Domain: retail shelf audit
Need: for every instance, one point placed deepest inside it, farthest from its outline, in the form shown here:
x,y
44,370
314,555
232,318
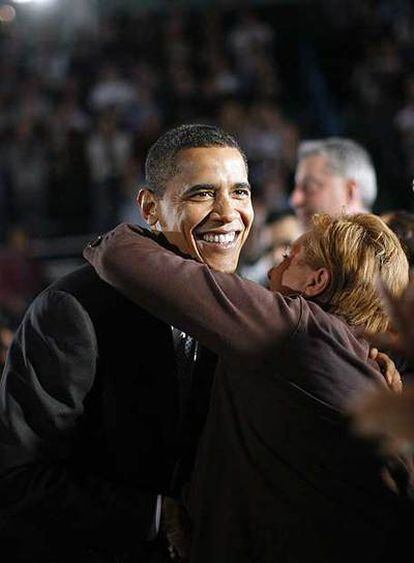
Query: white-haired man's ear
x,y
353,196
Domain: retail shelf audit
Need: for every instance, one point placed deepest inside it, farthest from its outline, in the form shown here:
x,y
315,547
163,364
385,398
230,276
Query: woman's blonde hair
x,y
357,250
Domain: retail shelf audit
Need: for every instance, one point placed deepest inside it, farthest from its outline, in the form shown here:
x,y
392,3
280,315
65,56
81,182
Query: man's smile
x,y
218,238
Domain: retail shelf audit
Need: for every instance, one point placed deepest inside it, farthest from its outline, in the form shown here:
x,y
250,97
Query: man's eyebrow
x,y
200,187
243,185
308,178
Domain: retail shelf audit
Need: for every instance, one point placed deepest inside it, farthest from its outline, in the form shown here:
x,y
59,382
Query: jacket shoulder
x,y
81,280
103,303
89,289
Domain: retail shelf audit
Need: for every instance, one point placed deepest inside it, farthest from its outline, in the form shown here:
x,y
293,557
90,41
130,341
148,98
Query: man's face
x,y
206,209
318,190
293,274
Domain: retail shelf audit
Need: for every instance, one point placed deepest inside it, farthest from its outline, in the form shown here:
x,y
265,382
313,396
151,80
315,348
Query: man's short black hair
x,y
161,158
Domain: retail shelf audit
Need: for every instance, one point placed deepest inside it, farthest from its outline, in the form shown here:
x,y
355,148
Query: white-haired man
x,y
332,175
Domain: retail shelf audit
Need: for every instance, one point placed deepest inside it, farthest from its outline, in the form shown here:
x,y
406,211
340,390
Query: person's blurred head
x,y
402,223
333,175
338,261
281,233
197,193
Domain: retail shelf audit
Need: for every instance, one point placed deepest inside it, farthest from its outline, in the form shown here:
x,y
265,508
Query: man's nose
x,y
296,197
224,209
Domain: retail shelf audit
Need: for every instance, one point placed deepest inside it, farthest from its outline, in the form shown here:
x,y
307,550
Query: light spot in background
x,y
34,1
7,14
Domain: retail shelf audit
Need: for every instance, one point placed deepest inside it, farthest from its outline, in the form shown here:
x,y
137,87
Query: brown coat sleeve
x,y
233,317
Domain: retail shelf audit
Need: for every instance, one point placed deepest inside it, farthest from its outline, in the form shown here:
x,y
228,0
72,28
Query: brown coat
x,y
279,477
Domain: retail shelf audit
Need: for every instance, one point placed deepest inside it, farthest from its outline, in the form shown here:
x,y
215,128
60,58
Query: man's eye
x,y
203,195
310,187
242,192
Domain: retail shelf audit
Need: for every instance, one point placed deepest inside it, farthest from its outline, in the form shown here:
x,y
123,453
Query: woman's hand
x,y
388,369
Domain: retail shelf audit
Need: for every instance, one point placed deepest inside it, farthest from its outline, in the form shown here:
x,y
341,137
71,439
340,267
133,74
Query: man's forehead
x,y
315,164
195,168
200,155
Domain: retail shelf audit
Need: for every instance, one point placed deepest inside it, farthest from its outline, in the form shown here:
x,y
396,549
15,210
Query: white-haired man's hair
x,y
347,159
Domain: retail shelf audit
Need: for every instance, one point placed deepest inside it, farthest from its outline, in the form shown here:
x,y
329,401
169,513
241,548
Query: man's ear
x,y
147,202
318,282
352,193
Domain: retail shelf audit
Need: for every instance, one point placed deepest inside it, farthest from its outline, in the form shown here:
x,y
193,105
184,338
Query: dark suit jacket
x,y
89,423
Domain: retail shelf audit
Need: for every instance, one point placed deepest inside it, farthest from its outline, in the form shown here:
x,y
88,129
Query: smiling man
x,y
199,197
100,413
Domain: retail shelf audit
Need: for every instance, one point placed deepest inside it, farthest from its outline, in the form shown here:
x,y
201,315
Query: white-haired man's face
x,y
319,190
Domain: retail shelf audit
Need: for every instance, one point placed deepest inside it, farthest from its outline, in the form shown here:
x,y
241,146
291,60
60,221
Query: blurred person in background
x,y
28,166
333,175
269,136
127,211
101,404
250,43
143,116
382,416
402,223
282,231
404,125
21,276
70,198
279,477
273,241
108,149
111,90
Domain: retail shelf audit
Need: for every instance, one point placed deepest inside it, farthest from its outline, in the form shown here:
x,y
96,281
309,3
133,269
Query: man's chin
x,y
305,219
218,258
223,264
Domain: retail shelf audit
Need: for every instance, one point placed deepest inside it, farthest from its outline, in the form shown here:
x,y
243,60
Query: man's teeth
x,y
220,239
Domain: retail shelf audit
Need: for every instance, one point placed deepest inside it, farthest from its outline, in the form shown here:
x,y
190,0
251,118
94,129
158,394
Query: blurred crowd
x,y
78,116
